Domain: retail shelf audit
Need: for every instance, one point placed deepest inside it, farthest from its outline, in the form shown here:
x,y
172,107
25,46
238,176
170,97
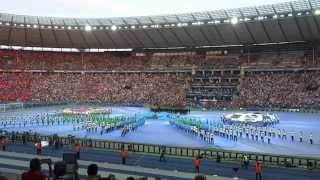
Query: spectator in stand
x,y
200,177
111,177
60,172
35,171
92,172
4,178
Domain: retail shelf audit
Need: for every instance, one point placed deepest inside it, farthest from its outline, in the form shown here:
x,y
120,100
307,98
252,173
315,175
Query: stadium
x,y
232,93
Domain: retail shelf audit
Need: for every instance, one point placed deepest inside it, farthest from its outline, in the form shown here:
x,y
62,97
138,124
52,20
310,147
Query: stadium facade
x,y
296,21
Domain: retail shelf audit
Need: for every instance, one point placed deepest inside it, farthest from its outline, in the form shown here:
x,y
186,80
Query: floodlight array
x,y
230,16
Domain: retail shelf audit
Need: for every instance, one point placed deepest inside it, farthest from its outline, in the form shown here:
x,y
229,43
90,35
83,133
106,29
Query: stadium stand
x,y
17,162
14,87
295,90
219,81
140,88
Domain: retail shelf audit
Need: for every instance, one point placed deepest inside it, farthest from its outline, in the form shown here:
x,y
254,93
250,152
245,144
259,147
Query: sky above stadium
x,y
119,8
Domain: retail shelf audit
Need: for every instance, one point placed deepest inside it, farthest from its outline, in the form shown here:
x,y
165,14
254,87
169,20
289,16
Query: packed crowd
x,y
45,60
192,61
289,59
146,89
283,90
294,90
157,90
32,60
14,86
286,90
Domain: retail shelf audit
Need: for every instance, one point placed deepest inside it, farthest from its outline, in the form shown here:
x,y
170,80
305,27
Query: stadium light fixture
x,y
87,28
260,18
217,21
133,27
114,27
317,12
234,20
157,26
194,23
69,27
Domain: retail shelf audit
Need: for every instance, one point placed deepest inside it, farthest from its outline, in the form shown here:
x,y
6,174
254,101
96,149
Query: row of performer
x,y
234,132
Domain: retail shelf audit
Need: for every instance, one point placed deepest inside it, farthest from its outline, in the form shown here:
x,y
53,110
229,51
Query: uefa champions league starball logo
x,y
249,118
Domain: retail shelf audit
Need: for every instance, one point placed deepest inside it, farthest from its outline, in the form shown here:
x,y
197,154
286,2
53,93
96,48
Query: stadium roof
x,y
283,22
